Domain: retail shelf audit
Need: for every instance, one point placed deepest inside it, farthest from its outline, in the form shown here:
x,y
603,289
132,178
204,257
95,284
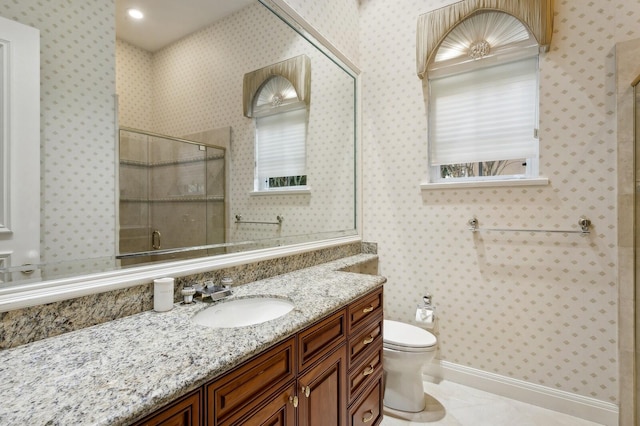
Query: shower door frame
x,y
176,250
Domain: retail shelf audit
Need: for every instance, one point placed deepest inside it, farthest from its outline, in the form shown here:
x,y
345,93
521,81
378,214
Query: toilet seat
x,y
407,338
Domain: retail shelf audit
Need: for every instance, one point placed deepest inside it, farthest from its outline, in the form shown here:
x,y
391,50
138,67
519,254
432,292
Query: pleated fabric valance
x,y
434,26
296,70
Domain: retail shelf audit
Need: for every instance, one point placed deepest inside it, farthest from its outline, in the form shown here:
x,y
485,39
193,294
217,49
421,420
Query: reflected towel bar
x,y
585,225
278,218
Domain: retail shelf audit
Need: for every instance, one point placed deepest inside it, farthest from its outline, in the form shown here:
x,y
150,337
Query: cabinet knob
x,y
368,417
306,390
294,400
367,310
368,340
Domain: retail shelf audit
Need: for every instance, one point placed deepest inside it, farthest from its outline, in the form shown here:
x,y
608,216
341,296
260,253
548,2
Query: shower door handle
x,y
156,239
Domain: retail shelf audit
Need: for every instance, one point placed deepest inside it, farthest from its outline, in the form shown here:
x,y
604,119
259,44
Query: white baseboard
x,y
565,402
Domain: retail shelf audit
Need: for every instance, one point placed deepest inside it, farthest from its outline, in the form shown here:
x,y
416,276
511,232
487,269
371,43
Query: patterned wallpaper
x,y
134,86
535,307
77,124
337,20
539,307
197,85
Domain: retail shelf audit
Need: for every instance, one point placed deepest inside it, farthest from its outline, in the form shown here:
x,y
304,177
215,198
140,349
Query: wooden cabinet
x,y
184,412
361,375
322,391
364,346
367,409
316,341
248,386
322,376
364,309
278,410
328,374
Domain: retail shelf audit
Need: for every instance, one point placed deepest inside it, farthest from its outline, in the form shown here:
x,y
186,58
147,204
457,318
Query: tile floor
x,y
452,404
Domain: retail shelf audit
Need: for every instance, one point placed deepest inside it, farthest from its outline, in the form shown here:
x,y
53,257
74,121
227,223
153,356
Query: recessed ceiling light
x,y
135,13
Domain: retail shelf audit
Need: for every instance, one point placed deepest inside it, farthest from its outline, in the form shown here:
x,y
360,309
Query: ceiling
x,y
166,21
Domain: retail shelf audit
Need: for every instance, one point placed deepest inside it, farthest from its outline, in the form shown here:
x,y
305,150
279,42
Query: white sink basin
x,y
243,312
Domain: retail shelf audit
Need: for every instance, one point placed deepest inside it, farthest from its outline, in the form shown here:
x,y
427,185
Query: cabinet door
x,y
322,392
185,412
278,411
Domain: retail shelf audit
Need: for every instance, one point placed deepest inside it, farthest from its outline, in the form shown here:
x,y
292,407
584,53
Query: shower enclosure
x,y
171,198
636,221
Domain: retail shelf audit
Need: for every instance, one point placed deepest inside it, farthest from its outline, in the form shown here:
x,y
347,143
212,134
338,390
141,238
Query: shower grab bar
x,y
278,218
585,228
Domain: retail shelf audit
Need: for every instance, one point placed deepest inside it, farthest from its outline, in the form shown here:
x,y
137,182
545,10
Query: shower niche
x,y
172,195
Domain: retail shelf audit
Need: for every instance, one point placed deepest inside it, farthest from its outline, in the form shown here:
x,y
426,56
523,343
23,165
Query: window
x,y
277,97
482,122
483,101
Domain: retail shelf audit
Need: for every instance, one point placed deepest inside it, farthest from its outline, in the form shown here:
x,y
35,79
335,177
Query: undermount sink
x,y
243,312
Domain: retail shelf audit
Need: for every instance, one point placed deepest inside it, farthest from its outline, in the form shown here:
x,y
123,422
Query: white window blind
x,y
487,114
280,145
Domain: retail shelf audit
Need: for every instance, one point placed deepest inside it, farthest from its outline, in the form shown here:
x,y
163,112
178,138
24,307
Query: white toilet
x,y
407,349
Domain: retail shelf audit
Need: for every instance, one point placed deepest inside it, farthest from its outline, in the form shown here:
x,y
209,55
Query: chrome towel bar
x,y
278,218
585,228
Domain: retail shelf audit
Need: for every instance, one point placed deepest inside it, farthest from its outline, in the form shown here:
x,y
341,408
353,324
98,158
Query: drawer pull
x,y
369,370
367,310
294,400
368,340
306,390
368,417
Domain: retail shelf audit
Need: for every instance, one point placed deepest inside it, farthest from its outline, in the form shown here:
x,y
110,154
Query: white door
x,y
19,146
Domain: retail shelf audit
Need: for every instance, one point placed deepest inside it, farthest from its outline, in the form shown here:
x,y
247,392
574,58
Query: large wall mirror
x,y
173,156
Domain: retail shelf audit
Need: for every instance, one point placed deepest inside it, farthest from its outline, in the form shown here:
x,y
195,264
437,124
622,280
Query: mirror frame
x,y
49,291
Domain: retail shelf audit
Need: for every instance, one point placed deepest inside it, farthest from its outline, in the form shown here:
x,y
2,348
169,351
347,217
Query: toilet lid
x,y
401,336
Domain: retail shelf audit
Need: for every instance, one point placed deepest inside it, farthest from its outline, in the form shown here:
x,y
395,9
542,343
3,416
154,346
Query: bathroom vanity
x,y
321,360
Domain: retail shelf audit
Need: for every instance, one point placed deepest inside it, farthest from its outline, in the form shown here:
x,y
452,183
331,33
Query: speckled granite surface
x,y
117,372
39,322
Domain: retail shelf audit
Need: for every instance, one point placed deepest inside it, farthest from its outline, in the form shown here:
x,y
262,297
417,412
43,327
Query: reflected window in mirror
x,y
277,97
281,133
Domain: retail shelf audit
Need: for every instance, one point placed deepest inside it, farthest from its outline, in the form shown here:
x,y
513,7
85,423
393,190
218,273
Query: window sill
x,y
282,191
539,181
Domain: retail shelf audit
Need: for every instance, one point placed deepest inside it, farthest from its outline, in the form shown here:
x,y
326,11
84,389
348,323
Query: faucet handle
x,y
187,294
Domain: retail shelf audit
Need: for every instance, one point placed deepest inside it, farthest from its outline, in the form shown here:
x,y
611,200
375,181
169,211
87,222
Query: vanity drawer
x,y
184,412
366,411
364,309
369,337
320,339
363,374
250,381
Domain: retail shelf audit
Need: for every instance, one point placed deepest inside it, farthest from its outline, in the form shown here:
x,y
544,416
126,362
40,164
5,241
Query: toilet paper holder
x,y
426,301
426,312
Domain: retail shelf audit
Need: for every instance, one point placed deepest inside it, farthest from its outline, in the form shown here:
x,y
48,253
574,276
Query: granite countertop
x,y
117,372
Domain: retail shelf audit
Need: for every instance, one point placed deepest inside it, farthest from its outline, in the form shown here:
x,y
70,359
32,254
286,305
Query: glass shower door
x,y
171,198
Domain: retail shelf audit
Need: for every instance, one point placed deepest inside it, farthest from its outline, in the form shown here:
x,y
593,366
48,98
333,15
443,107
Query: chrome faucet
x,y
213,292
